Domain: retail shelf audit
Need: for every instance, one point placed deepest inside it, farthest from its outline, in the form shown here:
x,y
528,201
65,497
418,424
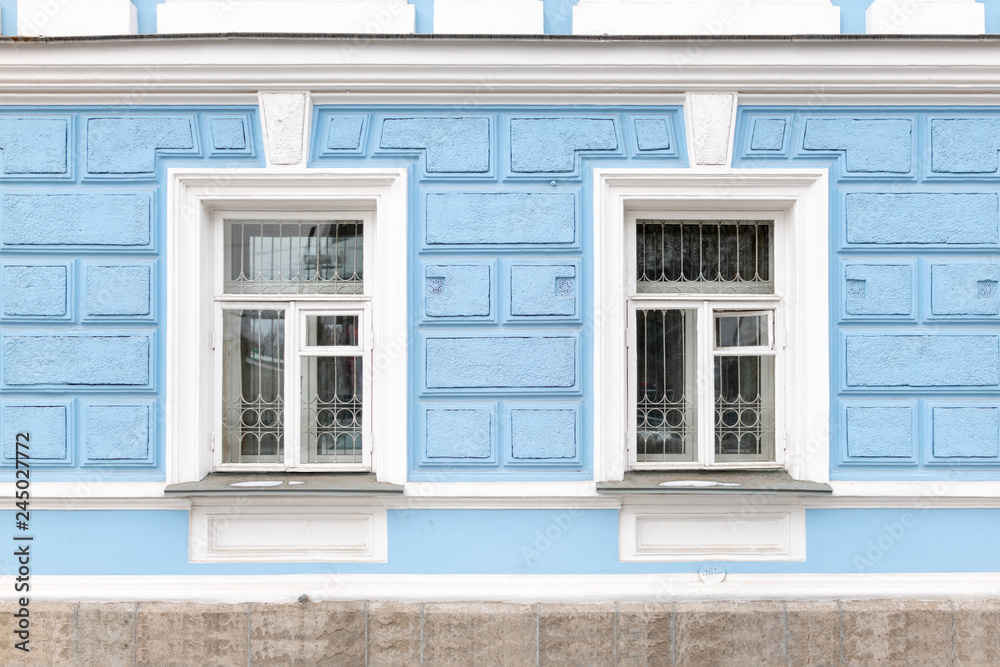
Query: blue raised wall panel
x,y
453,145
501,218
502,362
129,145
119,433
458,435
29,291
93,360
878,289
34,146
544,432
45,423
922,218
922,361
229,134
76,219
459,290
965,288
117,290
881,433
870,145
345,133
965,145
653,134
966,432
86,195
549,290
551,145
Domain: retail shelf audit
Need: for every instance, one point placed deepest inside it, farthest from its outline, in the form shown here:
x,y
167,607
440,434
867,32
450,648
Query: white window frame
x,y
706,306
801,197
297,307
197,199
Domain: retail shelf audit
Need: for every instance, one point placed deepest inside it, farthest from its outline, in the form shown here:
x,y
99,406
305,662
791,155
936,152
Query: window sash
x,y
297,307
705,406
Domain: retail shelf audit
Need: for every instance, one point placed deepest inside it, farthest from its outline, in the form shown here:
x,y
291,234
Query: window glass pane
x,y
744,408
331,330
331,410
294,257
704,256
667,390
741,331
253,376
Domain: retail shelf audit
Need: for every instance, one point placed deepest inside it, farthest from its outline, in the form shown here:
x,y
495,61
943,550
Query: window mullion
x,y
706,386
293,388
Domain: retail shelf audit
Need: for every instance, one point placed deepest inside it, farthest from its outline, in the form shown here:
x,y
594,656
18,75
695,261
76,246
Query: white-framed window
x,y
293,340
286,332
705,338
703,362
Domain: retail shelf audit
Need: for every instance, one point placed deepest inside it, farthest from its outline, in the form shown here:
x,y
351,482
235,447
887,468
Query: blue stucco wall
x,y
915,235
501,304
501,261
82,276
525,541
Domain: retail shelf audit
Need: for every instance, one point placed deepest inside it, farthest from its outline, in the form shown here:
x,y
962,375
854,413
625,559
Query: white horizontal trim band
x,y
509,588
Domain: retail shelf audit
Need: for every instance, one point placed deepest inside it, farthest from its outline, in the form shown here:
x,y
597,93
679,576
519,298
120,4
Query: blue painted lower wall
x,y
543,541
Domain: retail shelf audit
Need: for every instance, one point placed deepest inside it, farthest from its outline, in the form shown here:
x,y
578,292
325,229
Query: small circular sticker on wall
x,y
712,574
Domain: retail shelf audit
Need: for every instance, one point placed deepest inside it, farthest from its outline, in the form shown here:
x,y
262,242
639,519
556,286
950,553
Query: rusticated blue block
x,y
535,361
652,134
550,144
118,290
344,133
923,361
458,290
453,145
922,217
116,432
768,134
459,434
964,289
966,432
964,145
870,145
228,134
543,290
878,289
500,217
34,145
45,426
543,434
76,360
75,219
34,290
880,432
129,145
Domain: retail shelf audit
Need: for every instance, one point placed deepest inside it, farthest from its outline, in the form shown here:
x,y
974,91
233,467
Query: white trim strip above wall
x,y
509,588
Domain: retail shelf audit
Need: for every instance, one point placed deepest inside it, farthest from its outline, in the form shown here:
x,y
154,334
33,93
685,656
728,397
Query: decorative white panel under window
x,y
705,336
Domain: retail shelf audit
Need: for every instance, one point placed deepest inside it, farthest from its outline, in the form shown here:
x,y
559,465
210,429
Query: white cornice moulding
x,y
722,17
488,17
683,587
925,17
369,17
215,70
70,18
